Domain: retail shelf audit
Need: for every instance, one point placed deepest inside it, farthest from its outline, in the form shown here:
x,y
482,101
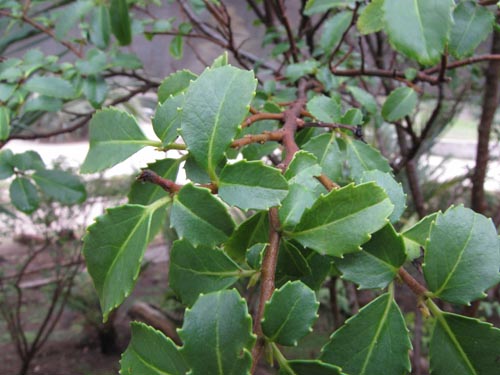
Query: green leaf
x,y
255,254
371,18
419,233
301,69
23,195
378,263
252,185
217,335
364,98
333,30
114,136
126,60
339,222
95,89
324,108
167,119
113,249
320,6
463,346
419,28
200,217
362,157
292,265
197,270
4,123
473,24
304,189
461,257
6,91
120,21
310,367
146,193
353,116
400,103
176,47
381,341
70,16
6,168
222,60
100,27
215,106
61,186
94,63
393,189
326,149
27,161
290,313
51,86
176,83
252,231
43,103
150,352
321,264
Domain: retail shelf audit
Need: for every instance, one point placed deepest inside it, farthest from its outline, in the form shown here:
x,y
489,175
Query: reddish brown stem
x,y
260,117
412,283
276,135
267,281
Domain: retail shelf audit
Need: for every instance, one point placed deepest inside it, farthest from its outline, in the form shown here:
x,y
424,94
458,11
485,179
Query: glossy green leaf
x,y
167,119
330,157
114,136
324,108
200,217
362,157
290,313
252,231
27,161
463,346
375,338
217,335
309,367
400,103
252,185
304,189
176,47
4,123
113,249
150,352
333,30
419,233
392,188
379,261
371,18
419,28
95,89
197,270
100,27
473,24
146,193
215,106
23,195
461,256
6,91
319,6
320,266
51,86
120,21
61,186
176,83
339,222
6,168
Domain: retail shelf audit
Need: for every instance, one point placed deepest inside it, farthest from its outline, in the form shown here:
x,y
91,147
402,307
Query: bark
x,y
490,100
